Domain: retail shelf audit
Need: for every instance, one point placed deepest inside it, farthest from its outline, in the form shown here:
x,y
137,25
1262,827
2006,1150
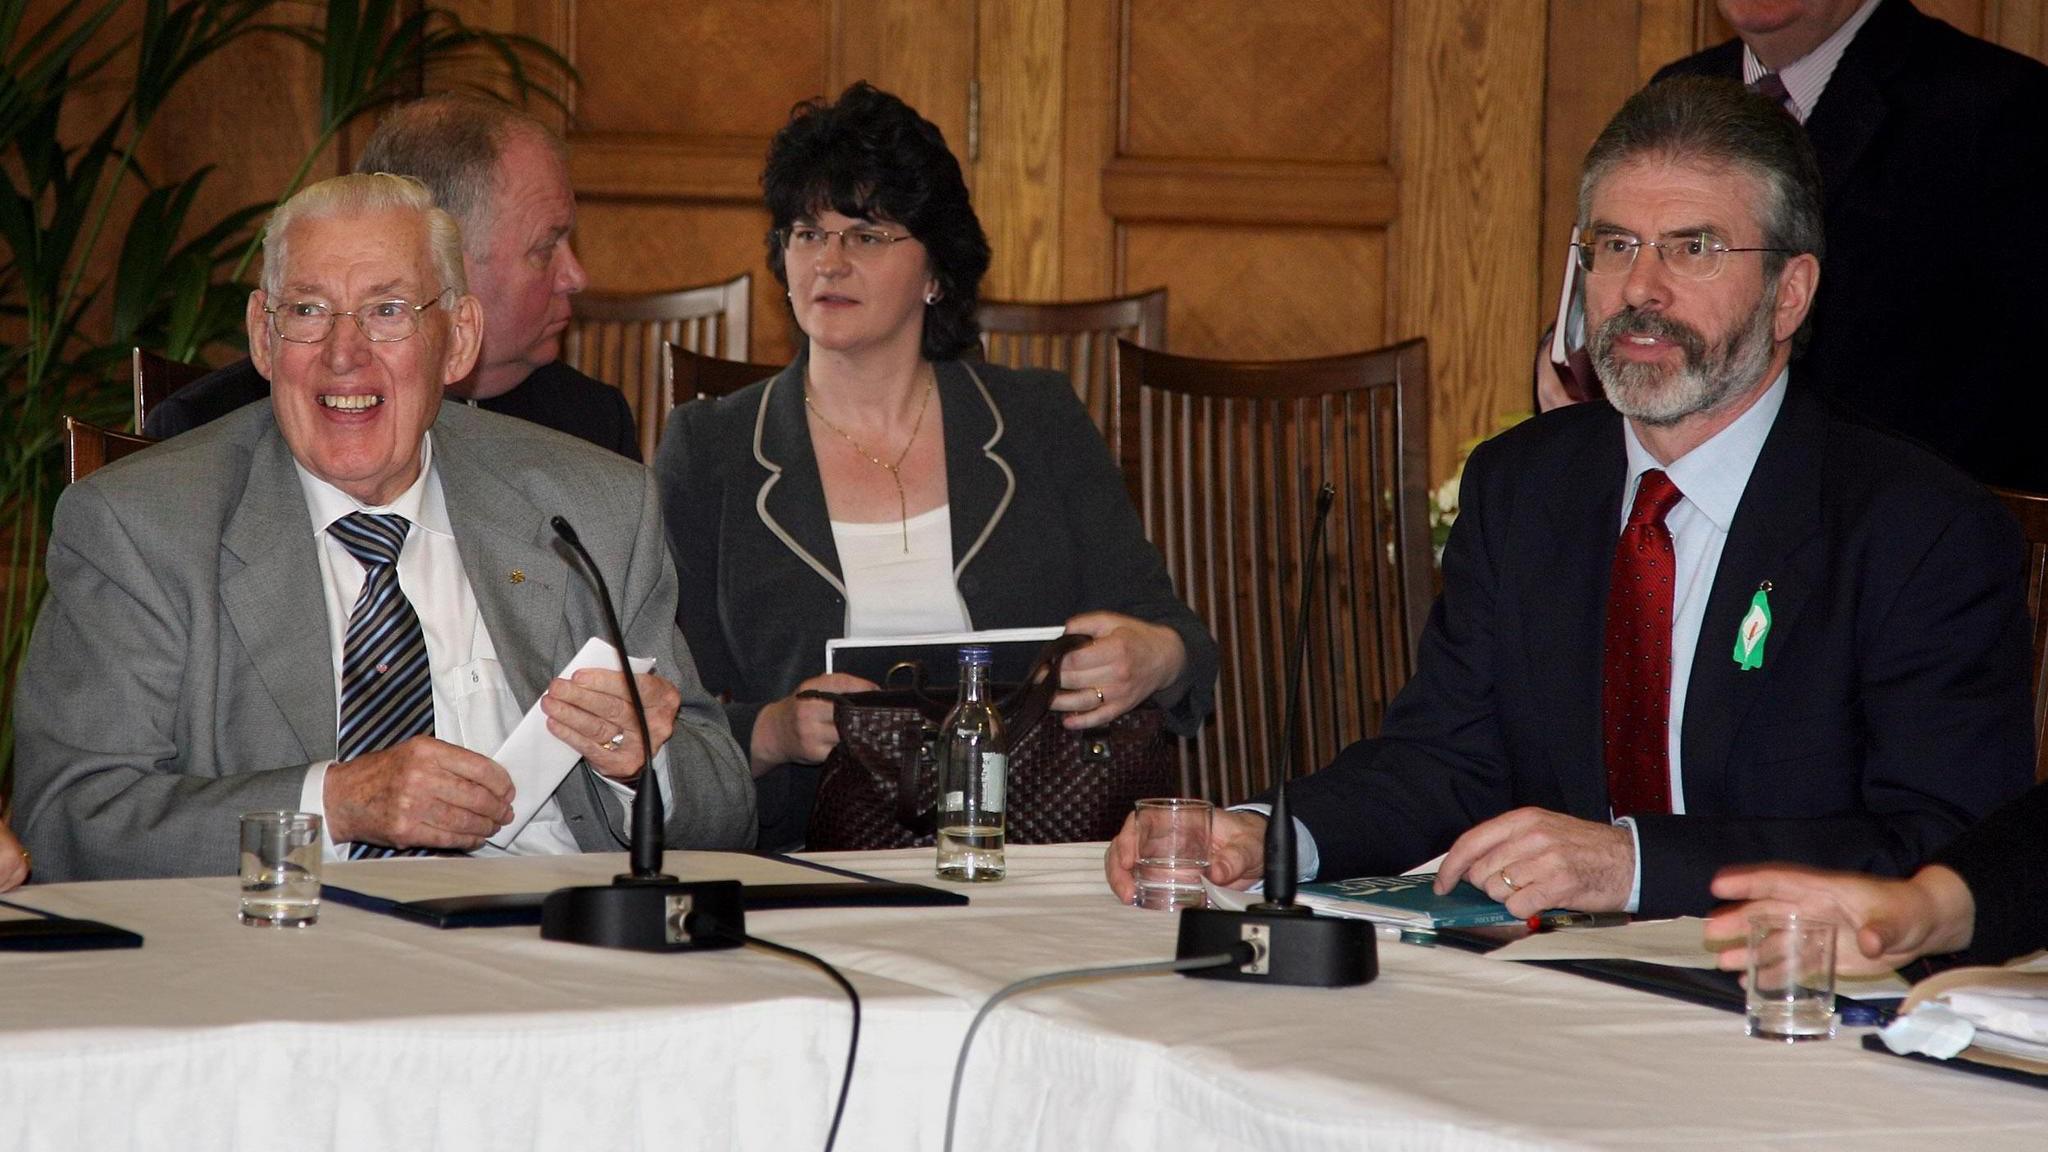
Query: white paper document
x,y
533,756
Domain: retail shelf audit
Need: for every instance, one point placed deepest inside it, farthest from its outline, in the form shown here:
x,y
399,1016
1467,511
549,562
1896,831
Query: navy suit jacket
x,y
1933,150
2005,862
1891,712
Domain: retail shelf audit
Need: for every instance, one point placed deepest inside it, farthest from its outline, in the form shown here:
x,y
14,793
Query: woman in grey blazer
x,y
881,485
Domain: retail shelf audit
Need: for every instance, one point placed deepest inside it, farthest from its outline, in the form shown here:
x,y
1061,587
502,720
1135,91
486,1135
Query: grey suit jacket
x,y
180,671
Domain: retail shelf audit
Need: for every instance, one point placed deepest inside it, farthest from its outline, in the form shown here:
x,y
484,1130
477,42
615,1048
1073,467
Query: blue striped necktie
x,y
387,689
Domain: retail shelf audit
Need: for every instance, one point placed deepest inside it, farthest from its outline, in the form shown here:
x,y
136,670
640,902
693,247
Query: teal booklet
x,y
1408,901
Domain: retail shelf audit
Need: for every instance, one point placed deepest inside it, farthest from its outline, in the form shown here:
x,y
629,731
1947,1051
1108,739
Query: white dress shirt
x,y
1807,77
473,703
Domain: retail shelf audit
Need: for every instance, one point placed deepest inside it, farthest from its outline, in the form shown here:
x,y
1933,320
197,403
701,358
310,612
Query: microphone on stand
x,y
642,909
648,817
1291,944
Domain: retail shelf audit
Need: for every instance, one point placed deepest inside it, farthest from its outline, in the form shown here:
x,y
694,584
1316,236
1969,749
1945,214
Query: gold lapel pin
x,y
518,576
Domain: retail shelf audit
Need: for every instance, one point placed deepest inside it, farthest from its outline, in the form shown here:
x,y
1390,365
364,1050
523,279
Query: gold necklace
x,y
895,470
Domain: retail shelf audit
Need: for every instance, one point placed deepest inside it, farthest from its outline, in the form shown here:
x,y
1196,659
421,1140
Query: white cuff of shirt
x,y
1635,840
313,798
1307,861
624,790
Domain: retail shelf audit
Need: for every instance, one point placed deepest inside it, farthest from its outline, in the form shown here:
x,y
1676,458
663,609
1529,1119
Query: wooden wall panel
x,y
1264,293
1016,171
1468,106
1226,80
1363,169
698,69
647,247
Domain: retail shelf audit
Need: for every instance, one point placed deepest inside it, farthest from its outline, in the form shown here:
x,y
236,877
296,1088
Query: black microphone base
x,y
629,880
1306,951
647,917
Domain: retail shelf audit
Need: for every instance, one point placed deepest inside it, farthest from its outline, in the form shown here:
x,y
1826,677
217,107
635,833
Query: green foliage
x,y
176,285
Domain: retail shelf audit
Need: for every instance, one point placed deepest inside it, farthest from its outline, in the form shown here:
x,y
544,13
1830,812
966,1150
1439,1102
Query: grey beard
x,y
1660,398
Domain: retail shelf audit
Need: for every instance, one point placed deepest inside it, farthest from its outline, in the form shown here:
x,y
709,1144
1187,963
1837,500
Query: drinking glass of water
x,y
1791,994
1173,853
280,869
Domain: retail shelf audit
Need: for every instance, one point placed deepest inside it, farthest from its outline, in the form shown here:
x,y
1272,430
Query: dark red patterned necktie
x,y
1636,672
1770,84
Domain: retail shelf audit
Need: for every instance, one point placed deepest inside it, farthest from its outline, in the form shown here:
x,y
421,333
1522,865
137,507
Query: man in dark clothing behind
x,y
504,176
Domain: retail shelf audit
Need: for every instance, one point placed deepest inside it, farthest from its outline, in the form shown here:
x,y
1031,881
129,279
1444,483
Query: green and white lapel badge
x,y
1755,627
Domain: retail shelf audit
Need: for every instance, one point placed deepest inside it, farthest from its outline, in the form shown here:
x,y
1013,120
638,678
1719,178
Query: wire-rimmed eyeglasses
x,y
859,243
381,321
1691,255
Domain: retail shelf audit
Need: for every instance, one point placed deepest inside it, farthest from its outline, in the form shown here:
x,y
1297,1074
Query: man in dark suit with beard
x,y
1707,622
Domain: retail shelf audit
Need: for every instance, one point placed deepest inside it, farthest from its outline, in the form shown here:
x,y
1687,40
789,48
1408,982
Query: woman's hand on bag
x,y
798,731
1126,662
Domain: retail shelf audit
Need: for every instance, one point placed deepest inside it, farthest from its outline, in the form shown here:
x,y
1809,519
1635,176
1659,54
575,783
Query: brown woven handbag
x,y
879,787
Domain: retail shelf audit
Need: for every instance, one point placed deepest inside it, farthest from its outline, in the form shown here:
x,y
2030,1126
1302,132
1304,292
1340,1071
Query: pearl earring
x,y
931,297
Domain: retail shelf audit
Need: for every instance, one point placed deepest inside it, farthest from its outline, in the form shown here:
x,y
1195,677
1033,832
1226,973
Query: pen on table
x,y
1545,921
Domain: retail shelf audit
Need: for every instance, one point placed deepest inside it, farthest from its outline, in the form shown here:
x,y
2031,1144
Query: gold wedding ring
x,y
1100,700
617,742
1506,880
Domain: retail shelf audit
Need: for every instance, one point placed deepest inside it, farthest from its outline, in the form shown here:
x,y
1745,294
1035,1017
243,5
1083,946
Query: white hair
x,y
365,194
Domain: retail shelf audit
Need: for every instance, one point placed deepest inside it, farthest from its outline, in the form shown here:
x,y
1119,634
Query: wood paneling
x,y
1278,293
698,69
1304,177
1467,102
647,247
1016,170
1227,80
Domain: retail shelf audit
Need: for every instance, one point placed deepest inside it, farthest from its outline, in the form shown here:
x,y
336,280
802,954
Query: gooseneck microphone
x,y
641,909
648,817
1280,867
1290,943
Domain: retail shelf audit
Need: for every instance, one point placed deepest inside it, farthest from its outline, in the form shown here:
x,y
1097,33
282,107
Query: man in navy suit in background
x,y
1933,150
1714,622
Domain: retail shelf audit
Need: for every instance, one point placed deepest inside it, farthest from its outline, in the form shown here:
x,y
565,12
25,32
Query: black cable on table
x,y
853,997
1239,954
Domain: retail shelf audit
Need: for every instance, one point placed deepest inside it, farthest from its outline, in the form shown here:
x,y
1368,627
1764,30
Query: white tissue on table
x,y
1929,1030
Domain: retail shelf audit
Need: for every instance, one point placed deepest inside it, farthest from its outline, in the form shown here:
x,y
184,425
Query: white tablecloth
x,y
368,1031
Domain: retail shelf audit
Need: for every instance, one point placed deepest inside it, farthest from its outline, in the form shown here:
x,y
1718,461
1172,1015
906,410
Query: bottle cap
x,y
974,654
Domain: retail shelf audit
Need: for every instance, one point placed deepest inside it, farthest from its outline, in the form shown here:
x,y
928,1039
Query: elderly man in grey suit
x,y
342,599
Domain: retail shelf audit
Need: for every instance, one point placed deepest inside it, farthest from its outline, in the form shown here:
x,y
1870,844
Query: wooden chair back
x,y
691,375
157,377
2031,510
617,337
1077,337
87,447
1223,460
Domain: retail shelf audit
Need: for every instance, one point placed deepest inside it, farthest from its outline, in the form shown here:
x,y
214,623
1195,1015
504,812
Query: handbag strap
x,y
1024,708
910,812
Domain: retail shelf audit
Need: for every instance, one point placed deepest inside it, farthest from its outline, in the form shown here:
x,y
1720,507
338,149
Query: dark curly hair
x,y
870,155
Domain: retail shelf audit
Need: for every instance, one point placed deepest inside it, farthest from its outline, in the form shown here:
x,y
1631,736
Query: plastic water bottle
x,y
974,770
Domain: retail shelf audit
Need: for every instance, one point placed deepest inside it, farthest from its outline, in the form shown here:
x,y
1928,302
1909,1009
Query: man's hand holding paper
x,y
419,793
592,713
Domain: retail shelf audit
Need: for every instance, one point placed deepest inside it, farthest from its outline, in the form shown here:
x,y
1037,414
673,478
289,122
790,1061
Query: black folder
x,y
49,932
523,908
